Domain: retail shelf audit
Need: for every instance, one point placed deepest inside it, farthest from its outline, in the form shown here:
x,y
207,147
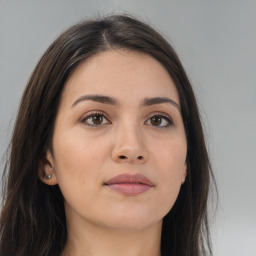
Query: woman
x,y
108,154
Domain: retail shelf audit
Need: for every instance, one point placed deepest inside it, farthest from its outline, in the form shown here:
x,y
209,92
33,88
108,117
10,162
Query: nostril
x,y
125,157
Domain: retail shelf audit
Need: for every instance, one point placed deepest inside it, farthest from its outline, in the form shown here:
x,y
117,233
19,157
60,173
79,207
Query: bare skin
x,y
119,114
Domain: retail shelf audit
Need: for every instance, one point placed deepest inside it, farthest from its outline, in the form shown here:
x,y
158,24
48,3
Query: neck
x,y
97,241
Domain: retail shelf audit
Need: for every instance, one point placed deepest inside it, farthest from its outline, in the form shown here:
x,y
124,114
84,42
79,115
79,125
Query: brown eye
x,y
159,121
95,120
156,120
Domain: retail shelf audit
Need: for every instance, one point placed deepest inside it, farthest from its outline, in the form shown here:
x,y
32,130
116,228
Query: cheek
x,y
171,156
171,162
75,151
78,162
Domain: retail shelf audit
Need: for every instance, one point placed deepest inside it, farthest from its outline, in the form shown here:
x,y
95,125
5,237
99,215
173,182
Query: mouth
x,y
130,184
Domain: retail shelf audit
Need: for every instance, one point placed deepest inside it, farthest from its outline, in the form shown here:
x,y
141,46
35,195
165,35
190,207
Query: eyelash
x,y
103,115
161,115
93,114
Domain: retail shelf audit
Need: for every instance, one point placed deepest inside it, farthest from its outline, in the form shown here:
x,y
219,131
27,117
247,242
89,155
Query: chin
x,y
136,222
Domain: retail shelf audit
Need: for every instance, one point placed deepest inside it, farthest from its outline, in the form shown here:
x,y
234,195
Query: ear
x,y
46,170
184,174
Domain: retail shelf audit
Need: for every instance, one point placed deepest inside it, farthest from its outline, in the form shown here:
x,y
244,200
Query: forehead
x,y
122,74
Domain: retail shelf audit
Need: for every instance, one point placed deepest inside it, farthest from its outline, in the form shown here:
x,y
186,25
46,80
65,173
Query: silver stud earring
x,y
48,176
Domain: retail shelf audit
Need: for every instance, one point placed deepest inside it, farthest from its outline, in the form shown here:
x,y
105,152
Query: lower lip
x,y
130,188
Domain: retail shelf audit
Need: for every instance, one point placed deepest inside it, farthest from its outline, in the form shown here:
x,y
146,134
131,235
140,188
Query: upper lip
x,y
130,178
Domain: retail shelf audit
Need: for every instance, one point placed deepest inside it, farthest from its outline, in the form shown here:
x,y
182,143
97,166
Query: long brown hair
x,y
33,218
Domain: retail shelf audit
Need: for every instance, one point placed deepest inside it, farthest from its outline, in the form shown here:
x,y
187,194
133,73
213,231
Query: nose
x,y
129,146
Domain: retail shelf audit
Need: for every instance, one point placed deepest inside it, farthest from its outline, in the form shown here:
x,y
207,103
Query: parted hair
x,y
32,220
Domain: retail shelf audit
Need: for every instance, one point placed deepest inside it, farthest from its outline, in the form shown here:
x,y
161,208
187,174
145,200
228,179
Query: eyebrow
x,y
98,98
159,100
112,101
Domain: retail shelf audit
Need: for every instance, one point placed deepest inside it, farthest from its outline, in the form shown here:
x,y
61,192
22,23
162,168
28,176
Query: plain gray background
x,y
216,41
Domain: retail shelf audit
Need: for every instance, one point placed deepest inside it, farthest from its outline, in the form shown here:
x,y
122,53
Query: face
x,y
119,145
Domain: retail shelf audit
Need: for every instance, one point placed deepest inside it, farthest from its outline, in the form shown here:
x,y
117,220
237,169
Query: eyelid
x,y
92,113
162,114
157,113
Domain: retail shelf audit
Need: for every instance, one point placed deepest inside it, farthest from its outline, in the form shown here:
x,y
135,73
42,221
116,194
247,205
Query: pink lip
x,y
130,184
